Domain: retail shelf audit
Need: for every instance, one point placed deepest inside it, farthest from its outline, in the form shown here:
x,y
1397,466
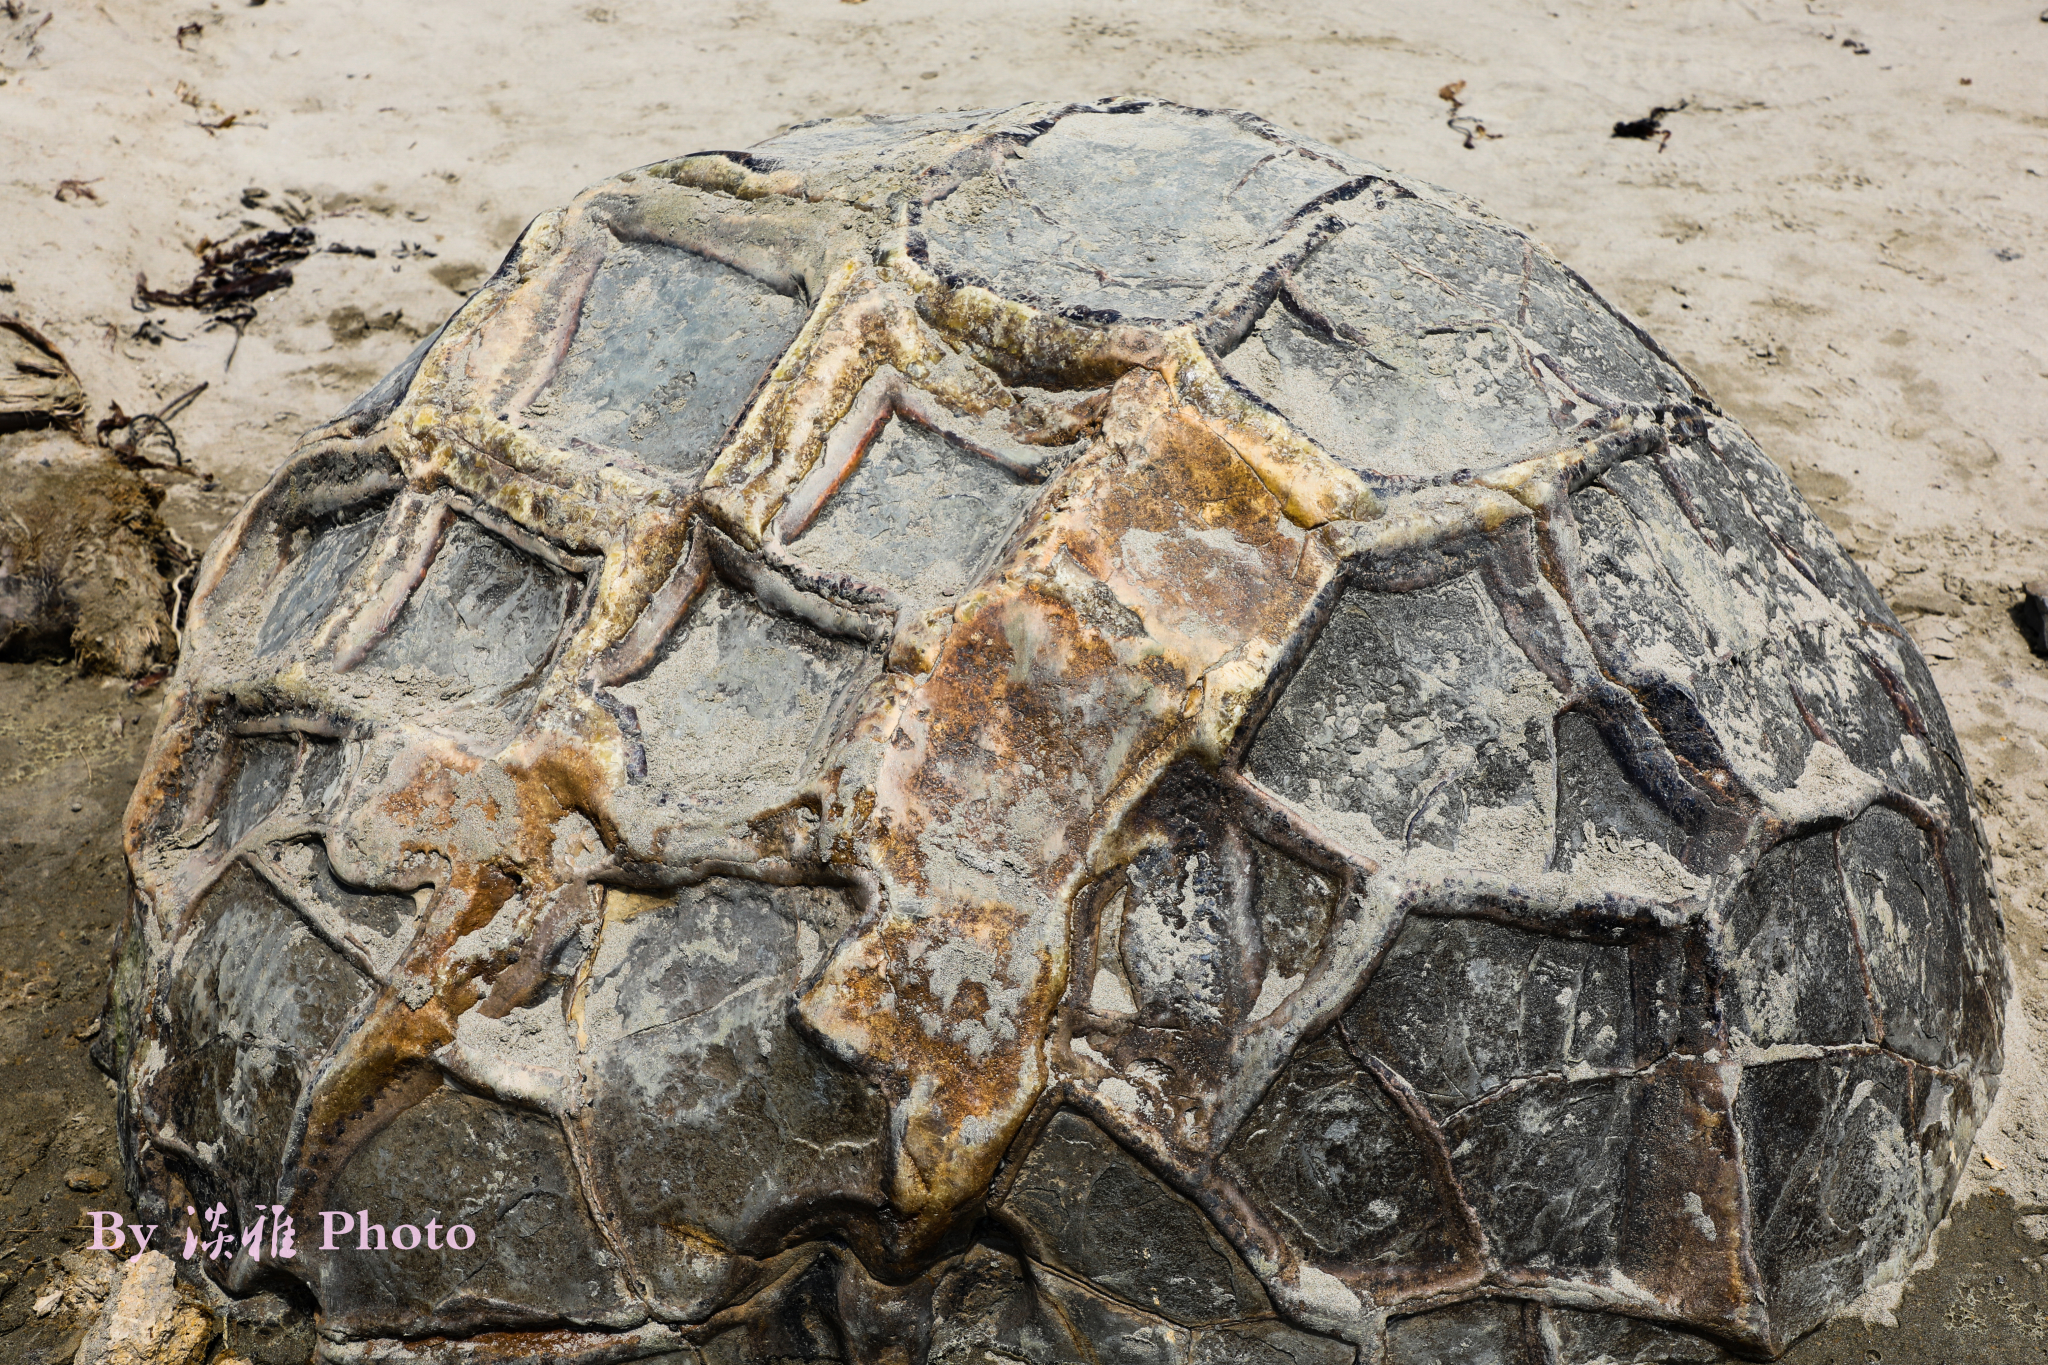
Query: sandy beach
x,y
1839,222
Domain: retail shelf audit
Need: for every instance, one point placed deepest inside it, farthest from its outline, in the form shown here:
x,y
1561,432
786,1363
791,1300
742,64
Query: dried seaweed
x,y
235,272
146,436
1471,129
1650,127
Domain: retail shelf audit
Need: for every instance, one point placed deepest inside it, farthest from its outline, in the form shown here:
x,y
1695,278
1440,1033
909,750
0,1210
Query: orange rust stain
x,y
427,801
381,1071
176,731
1163,554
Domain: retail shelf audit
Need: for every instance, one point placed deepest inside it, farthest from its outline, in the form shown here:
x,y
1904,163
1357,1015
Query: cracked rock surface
x,y
1085,731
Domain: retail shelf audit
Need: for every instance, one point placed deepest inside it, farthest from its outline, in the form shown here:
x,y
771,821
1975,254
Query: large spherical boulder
x,y
1079,732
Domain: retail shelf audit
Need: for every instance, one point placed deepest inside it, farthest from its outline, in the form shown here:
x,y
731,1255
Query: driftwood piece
x,y
37,388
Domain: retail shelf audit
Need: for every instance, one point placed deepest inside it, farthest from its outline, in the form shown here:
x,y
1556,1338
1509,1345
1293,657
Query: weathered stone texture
x,y
1072,733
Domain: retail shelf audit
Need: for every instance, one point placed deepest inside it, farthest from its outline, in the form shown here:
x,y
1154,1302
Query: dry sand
x,y
1846,237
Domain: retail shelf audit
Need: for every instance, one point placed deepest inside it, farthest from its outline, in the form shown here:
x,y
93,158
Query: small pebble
x,y
77,806
85,1179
